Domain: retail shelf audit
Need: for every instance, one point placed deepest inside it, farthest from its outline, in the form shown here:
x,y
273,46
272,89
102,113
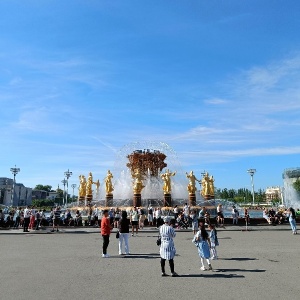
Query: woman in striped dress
x,y
167,248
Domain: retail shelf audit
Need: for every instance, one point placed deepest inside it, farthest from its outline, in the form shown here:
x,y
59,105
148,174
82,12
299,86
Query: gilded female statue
x,y
138,182
108,184
89,185
82,186
192,182
166,177
211,186
205,185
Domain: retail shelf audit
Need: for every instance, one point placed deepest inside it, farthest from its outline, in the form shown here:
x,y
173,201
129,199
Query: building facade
x,y
14,195
273,193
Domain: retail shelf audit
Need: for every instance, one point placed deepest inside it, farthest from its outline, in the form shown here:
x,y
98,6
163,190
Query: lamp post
x,y
73,187
64,181
252,172
67,175
14,171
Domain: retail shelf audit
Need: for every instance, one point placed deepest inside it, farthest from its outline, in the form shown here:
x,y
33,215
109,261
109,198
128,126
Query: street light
x,y
67,175
64,181
14,171
73,187
252,172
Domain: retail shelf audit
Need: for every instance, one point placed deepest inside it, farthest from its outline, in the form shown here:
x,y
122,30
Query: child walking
x,y
202,241
213,241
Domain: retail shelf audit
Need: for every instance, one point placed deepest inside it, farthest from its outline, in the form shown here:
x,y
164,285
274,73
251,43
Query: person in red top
x,y
105,232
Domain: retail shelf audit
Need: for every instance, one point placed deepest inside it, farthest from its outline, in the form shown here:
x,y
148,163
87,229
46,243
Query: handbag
x,y
158,241
117,234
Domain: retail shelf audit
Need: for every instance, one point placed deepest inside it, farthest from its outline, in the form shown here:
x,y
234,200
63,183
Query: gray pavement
x,y
262,263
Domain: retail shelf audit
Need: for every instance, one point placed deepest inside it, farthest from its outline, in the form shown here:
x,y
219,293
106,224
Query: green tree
x,y
41,187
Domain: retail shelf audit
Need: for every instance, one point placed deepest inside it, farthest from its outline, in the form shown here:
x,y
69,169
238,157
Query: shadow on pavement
x,y
238,258
213,275
239,270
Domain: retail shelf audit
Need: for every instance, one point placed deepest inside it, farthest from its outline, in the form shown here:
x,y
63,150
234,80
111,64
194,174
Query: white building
x,y
273,193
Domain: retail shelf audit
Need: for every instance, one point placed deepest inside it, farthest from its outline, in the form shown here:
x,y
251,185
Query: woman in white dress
x,y
167,248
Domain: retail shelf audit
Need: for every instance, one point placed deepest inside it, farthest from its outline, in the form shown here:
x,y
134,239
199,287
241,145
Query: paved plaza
x,y
263,263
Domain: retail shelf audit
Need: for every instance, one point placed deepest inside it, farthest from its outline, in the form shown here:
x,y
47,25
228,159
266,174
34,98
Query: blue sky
x,y
218,81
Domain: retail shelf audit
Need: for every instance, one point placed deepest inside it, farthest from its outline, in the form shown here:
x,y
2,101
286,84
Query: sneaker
x,y
132,234
105,255
52,230
174,274
203,268
209,267
163,274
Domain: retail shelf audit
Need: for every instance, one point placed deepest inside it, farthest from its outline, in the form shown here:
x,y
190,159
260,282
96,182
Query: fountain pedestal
x,y
167,200
81,201
137,200
192,198
109,199
209,197
89,199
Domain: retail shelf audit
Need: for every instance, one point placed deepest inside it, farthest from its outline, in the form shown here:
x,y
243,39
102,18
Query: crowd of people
x,y
205,242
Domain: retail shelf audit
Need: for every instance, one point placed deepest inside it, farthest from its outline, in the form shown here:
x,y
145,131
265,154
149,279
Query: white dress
x,y
167,248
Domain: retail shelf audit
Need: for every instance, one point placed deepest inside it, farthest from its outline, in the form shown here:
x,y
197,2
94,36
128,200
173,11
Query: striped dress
x,y
167,248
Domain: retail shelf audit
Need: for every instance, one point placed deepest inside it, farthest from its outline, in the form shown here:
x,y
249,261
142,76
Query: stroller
x,y
181,223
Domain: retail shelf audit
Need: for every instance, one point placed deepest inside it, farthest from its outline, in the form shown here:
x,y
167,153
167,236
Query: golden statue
x,y
138,182
166,177
89,184
192,182
108,184
82,186
205,185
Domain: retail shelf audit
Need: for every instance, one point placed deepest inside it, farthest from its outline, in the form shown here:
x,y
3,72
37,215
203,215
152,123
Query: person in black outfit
x,y
124,233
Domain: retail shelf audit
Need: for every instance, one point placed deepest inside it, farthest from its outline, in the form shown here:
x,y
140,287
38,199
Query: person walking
x,y
167,247
292,219
202,241
124,233
106,228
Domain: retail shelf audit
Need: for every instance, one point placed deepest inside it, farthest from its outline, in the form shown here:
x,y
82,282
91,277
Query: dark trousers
x,y
163,262
105,243
26,224
17,222
38,221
